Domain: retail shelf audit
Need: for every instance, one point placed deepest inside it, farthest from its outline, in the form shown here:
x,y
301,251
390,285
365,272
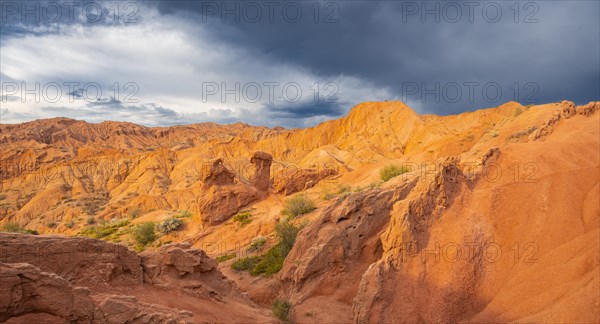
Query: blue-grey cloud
x,y
386,43
438,66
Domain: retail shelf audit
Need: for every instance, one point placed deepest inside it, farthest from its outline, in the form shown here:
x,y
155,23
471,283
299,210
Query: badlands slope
x,y
497,219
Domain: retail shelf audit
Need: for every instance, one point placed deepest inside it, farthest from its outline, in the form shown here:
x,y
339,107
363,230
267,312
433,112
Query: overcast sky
x,y
289,63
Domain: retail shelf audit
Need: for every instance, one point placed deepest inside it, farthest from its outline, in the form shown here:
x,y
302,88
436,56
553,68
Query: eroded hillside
x,y
486,202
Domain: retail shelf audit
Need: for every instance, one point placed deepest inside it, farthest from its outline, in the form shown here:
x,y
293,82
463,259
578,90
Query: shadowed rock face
x,y
79,260
340,245
174,272
262,174
25,289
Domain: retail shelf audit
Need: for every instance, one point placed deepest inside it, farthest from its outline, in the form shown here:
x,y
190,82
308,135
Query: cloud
x,y
171,63
383,43
179,64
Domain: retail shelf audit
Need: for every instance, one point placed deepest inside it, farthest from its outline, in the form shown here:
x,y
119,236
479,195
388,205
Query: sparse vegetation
x,y
135,213
375,184
169,225
342,189
70,224
104,229
327,195
272,261
344,195
51,224
522,133
298,205
358,189
390,171
287,233
2,197
518,111
257,243
185,214
246,264
14,227
243,218
281,309
225,257
144,233
91,220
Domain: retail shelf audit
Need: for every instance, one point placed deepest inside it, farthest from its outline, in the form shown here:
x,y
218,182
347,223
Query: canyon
x,y
489,216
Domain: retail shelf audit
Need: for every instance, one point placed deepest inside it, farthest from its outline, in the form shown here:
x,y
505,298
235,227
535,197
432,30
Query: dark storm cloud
x,y
309,109
419,52
20,18
546,51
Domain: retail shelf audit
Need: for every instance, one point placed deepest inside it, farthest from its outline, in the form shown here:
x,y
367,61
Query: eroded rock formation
x,y
89,290
79,260
294,180
262,174
225,194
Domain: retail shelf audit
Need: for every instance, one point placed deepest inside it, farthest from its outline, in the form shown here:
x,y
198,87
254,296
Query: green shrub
x,y
298,205
374,185
185,214
91,220
51,224
104,229
518,111
243,218
169,225
135,213
246,264
343,189
391,171
271,262
358,189
525,132
14,227
326,195
287,233
70,224
281,309
144,233
257,243
344,195
225,257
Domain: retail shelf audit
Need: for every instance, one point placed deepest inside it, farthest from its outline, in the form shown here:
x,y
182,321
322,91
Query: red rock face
x,y
113,284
